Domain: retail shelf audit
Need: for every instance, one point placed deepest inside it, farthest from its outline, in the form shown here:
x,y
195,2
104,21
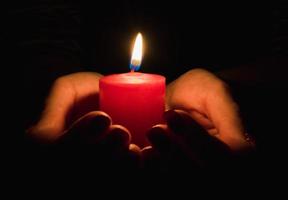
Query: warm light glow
x,y
137,53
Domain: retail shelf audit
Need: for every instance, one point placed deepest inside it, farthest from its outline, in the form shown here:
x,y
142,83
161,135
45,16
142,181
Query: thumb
x,y
53,119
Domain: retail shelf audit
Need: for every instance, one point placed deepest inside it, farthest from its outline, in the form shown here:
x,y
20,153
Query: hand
x,y
207,100
183,143
203,126
70,116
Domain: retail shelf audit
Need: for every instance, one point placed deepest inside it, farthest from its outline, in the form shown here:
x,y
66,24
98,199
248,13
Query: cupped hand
x,y
184,143
71,117
207,100
203,126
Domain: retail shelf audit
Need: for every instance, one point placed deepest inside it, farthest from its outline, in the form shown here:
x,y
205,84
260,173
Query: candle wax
x,y
134,100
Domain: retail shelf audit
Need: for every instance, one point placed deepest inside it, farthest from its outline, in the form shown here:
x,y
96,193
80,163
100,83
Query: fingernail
x,y
159,138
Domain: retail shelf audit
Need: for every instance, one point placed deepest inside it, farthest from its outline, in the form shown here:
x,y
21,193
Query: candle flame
x,y
137,53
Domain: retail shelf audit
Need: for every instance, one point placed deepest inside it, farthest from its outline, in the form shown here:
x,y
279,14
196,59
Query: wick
x,y
132,71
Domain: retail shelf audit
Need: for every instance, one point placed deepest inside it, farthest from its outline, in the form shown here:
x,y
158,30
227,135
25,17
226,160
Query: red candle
x,y
134,100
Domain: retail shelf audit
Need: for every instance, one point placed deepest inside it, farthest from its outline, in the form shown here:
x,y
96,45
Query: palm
x,y
207,100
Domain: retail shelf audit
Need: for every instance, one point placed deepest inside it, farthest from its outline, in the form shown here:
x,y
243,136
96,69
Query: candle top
x,y
133,78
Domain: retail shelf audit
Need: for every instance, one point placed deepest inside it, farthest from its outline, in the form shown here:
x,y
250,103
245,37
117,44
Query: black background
x,y
45,39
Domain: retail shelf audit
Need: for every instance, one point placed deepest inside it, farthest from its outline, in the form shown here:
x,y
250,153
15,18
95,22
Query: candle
x,y
135,100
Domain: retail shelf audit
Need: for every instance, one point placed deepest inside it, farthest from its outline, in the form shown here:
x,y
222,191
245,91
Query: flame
x,y
137,53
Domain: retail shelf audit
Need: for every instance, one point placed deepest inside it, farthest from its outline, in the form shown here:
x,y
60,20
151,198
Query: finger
x,y
133,158
191,133
135,149
181,123
87,129
117,138
170,146
159,138
151,159
66,92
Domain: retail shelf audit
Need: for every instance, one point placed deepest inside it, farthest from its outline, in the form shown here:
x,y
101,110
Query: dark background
x,y
43,40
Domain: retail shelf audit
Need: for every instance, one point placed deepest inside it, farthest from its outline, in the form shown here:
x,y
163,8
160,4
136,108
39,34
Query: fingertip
x,y
134,156
175,120
100,121
100,113
146,149
159,138
95,122
121,129
118,136
135,148
99,117
150,158
156,131
168,114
